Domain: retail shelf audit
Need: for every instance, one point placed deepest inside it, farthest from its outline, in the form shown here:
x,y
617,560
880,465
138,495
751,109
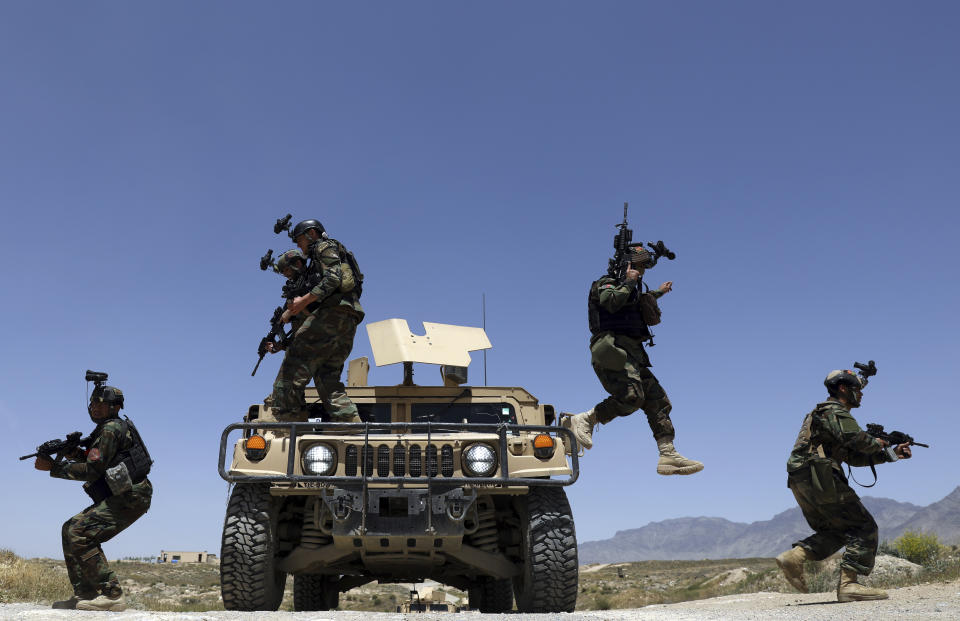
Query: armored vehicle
x,y
463,485
430,600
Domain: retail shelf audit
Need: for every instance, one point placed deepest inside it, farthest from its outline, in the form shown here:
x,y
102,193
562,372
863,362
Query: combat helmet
x,y
107,394
640,256
287,260
845,377
304,226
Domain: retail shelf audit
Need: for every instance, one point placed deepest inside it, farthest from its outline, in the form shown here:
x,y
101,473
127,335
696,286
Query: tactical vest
x,y
627,321
129,466
351,278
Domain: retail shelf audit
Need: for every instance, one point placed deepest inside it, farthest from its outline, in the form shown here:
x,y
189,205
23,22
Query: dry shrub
x,y
30,581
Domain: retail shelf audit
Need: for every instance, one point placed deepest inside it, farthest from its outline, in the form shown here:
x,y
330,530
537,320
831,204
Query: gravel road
x,y
929,601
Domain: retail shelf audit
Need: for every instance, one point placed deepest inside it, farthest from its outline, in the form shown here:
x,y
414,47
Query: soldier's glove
x,y
43,463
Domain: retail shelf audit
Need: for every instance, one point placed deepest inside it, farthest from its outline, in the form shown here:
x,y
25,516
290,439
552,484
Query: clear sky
x,y
801,160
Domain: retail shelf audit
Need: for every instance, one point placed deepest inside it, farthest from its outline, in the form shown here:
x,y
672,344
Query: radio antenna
x,y
483,323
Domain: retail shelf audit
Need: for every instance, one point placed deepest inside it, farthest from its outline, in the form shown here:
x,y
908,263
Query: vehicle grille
x,y
384,461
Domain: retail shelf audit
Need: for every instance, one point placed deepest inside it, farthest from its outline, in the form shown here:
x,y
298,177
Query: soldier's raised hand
x,y
43,463
903,451
666,287
632,275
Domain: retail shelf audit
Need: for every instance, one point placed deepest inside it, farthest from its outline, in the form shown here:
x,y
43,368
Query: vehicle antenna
x,y
483,323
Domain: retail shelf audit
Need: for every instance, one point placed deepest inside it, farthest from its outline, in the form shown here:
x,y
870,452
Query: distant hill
x,y
716,538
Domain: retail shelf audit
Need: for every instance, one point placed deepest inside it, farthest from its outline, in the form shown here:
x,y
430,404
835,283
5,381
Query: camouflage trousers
x,y
319,349
87,567
844,522
633,387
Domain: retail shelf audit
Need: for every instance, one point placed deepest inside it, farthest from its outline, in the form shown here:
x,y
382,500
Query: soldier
x,y
115,468
328,314
828,437
619,313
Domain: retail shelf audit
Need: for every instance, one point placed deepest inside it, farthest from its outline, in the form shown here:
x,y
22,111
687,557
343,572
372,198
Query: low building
x,y
186,556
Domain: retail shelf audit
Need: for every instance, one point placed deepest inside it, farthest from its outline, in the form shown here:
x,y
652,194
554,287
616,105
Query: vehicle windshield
x,y
463,413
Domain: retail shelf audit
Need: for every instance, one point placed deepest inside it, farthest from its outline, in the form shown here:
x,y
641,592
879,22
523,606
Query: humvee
x,y
459,484
431,600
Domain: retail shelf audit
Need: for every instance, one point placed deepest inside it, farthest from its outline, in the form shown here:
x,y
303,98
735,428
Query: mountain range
x,y
695,538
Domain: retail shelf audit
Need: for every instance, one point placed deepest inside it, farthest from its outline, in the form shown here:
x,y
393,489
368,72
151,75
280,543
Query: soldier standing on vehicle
x,y
828,437
329,313
619,313
115,468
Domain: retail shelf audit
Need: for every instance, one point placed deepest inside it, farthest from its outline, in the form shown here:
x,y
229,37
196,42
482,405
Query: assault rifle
x,y
892,438
276,335
50,448
622,242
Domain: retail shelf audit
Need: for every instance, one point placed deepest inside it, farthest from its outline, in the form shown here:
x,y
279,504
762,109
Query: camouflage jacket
x,y
831,426
324,258
109,438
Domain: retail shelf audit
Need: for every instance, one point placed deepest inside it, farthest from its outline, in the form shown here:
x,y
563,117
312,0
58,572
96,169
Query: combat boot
x,y
672,462
103,602
71,604
581,425
849,590
791,564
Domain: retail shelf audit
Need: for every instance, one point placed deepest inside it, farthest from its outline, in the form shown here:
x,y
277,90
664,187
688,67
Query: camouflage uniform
x,y
627,378
828,437
87,567
321,343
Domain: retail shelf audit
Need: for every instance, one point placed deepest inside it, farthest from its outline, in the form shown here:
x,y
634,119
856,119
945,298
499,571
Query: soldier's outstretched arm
x,y
94,464
862,448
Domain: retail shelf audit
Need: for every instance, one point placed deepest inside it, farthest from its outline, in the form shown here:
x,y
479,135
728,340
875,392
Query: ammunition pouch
x,y
605,354
118,479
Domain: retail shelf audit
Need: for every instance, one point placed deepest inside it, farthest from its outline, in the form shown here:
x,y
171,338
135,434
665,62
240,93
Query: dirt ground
x,y
926,601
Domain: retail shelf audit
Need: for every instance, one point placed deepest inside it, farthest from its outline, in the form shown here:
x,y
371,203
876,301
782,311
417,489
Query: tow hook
x,y
455,509
342,509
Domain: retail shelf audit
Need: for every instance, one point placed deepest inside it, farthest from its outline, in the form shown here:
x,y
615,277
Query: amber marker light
x,y
256,447
543,446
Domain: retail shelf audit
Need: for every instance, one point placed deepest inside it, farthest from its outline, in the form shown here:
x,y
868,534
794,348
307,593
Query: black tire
x,y
249,579
473,596
496,595
315,592
550,574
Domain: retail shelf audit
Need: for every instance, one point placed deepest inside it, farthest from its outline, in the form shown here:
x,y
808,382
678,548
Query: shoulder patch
x,y
93,454
607,286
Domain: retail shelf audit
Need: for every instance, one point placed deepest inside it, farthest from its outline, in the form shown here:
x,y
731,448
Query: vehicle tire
x,y
495,595
550,574
315,592
249,578
473,596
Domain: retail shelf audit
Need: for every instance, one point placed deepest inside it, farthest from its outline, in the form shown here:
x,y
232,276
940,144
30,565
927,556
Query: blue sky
x,y
801,160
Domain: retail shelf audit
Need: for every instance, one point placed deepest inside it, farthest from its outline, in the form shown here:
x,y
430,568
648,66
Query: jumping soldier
x,y
619,313
325,319
828,437
115,468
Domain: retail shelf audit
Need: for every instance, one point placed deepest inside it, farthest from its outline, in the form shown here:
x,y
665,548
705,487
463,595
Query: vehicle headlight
x,y
320,460
479,460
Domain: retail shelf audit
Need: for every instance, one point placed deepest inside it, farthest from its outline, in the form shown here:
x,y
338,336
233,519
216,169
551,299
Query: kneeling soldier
x,y
115,468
